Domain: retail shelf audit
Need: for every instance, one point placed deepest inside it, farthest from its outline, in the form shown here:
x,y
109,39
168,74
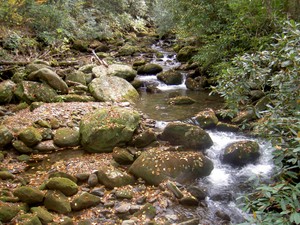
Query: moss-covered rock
x,y
8,211
149,69
127,50
84,201
123,71
196,84
186,53
187,135
241,153
6,175
28,219
51,78
66,137
57,202
157,165
227,127
170,77
29,91
148,211
76,77
43,214
5,136
6,91
29,195
65,185
181,100
107,128
144,138
21,147
63,174
30,136
107,88
206,119
112,177
122,156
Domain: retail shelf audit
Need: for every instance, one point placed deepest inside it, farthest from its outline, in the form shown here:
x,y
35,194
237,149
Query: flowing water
x,y
225,183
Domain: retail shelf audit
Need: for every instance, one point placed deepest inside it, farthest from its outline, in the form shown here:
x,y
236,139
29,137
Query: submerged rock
x,y
241,153
157,165
181,100
107,128
187,135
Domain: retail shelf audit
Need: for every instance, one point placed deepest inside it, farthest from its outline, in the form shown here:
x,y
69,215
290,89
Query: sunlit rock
x,y
206,119
107,128
157,165
187,135
241,153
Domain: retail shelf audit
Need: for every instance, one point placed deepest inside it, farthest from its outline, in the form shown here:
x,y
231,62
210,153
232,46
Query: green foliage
x,y
274,71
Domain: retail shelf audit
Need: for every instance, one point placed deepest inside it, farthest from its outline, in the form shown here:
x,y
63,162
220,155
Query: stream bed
x,y
225,183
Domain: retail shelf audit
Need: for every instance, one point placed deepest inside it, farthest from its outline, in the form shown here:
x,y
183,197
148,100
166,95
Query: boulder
x,y
66,137
157,165
21,147
122,156
196,84
84,201
65,185
30,136
170,77
187,135
149,69
46,146
112,177
57,202
186,53
63,174
51,78
76,77
32,67
6,175
29,195
227,127
206,119
112,88
107,128
243,116
6,91
5,136
241,153
27,219
43,214
30,91
123,71
144,139
99,71
8,211
127,50
181,100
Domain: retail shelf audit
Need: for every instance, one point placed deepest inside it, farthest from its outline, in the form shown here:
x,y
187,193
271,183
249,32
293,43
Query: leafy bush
x,y
274,71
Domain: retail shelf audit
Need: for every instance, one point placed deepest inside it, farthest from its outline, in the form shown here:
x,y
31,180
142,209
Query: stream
x,y
225,183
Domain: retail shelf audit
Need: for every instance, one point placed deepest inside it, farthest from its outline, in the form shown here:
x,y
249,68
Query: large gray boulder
x,y
30,91
112,88
157,165
107,128
6,91
51,78
187,135
241,153
124,71
170,77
